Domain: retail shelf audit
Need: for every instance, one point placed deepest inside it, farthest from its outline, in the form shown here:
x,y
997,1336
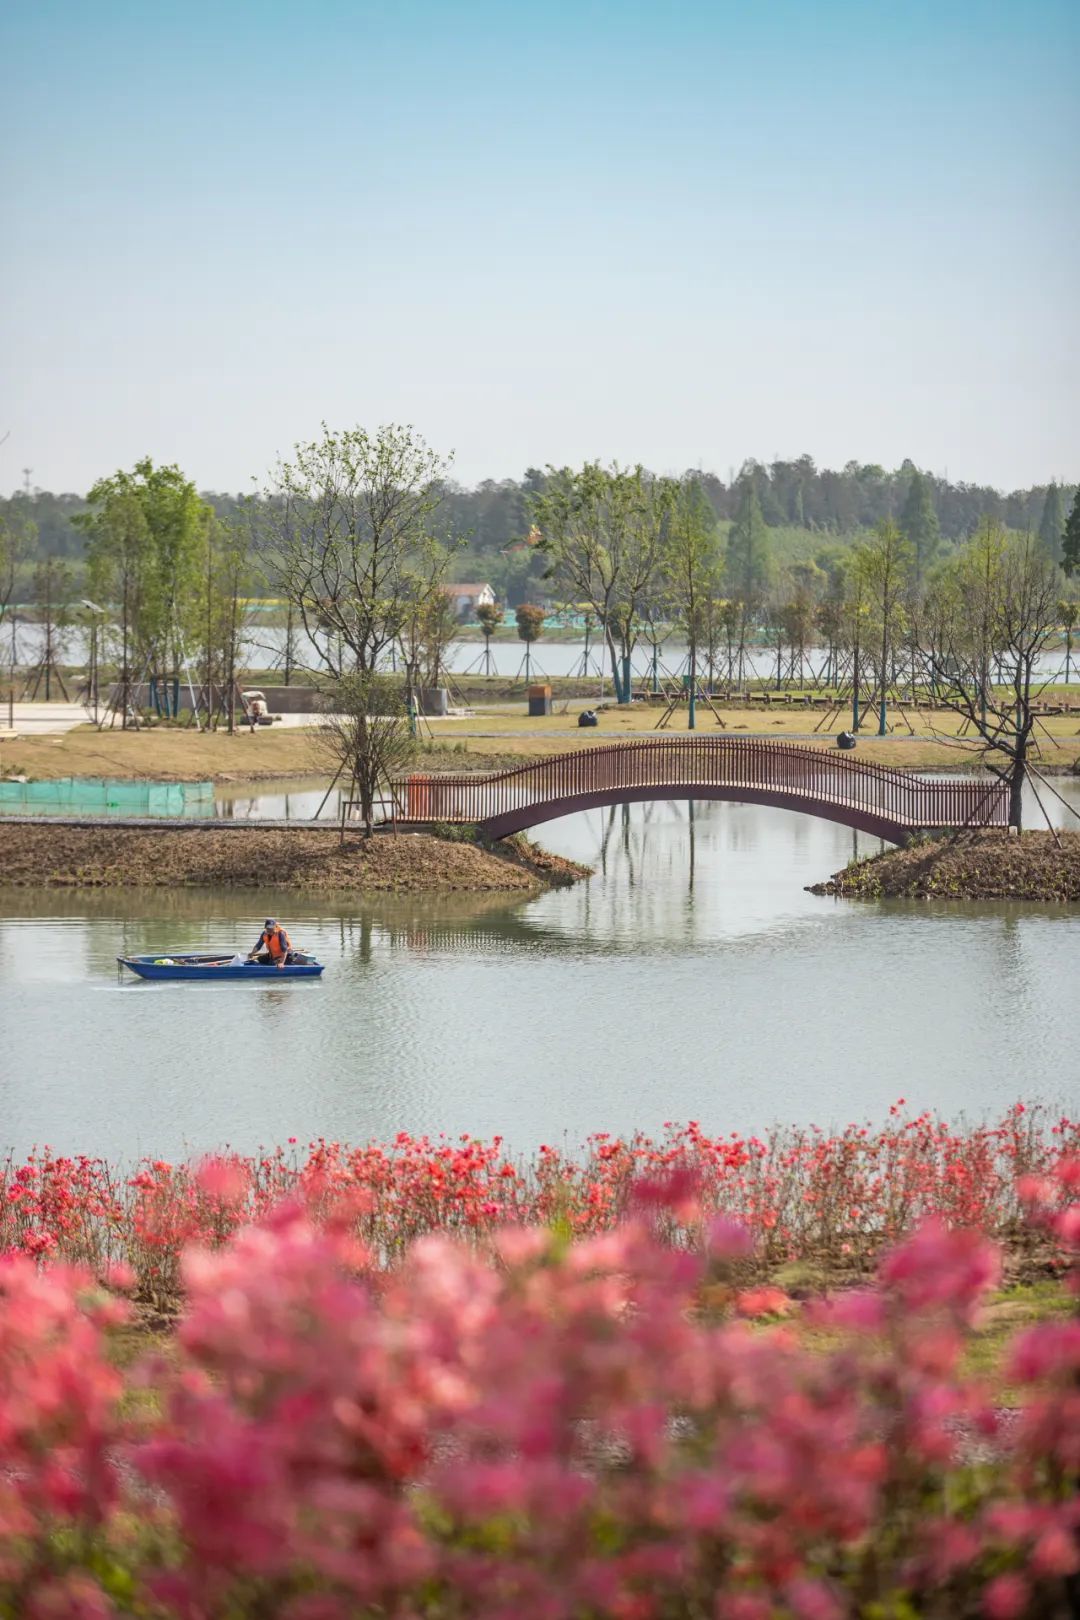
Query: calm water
x,y
692,977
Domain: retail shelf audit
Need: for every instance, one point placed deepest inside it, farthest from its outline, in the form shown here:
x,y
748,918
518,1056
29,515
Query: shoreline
x,y
247,855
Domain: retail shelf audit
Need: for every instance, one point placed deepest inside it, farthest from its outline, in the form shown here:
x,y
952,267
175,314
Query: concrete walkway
x,y
42,719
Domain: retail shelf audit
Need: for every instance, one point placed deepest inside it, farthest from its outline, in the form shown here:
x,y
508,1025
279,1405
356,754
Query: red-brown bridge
x,y
887,803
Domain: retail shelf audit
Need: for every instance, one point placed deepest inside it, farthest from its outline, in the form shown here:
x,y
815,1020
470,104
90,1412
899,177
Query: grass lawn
x,y
490,738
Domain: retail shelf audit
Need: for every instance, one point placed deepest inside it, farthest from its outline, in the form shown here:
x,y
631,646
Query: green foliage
x,y
748,551
348,528
1052,522
18,537
1070,547
919,524
146,545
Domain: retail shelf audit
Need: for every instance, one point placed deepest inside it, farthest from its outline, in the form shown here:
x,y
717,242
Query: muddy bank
x,y
251,857
980,866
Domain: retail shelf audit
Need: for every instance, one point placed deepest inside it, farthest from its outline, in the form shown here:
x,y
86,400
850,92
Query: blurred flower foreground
x,y
621,1417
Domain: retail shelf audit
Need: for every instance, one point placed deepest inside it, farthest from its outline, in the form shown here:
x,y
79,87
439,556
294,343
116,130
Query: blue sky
x,y
681,233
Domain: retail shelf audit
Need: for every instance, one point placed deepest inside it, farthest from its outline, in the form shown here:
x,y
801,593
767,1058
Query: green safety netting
x,y
100,796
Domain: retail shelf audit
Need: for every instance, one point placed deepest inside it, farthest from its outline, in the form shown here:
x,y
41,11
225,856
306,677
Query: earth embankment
x,y
978,866
250,857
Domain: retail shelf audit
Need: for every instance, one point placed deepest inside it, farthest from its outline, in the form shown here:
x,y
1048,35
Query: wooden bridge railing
x,y
784,772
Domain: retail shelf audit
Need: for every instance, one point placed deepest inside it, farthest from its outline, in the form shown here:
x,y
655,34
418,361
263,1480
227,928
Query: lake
x,y
691,978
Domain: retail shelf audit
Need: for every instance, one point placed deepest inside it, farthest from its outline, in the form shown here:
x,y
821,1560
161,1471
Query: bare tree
x,y
989,616
349,538
366,735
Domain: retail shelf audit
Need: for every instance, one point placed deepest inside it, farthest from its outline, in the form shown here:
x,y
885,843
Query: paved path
x,y
43,719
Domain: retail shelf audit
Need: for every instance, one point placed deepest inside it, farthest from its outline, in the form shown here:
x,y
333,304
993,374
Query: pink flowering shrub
x,y
608,1426
836,1199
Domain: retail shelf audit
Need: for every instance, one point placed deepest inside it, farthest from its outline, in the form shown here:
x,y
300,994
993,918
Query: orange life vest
x,y
277,941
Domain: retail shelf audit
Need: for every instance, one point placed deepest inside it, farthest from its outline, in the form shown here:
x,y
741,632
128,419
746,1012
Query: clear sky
x,y
683,233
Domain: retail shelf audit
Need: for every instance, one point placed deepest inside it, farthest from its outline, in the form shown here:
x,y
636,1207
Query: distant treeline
x,y
796,497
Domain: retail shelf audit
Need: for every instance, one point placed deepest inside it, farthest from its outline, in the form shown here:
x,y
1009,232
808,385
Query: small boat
x,y
218,965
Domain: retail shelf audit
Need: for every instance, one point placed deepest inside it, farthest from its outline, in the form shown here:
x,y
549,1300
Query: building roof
x,y
466,590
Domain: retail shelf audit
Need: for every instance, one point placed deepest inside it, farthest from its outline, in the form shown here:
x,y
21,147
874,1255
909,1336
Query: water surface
x,y
691,978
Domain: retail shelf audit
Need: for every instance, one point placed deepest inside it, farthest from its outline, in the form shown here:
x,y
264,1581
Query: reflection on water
x,y
692,977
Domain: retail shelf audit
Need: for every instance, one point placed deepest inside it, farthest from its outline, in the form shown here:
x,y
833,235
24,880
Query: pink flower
x,y
1006,1598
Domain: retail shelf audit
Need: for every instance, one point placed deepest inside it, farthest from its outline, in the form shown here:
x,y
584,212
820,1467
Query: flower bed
x,y
830,1200
556,1429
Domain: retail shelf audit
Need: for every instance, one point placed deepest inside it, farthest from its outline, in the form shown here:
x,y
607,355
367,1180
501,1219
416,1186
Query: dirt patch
x,y
255,857
980,866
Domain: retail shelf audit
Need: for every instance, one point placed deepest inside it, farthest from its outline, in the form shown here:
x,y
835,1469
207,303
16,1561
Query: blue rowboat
x,y
217,965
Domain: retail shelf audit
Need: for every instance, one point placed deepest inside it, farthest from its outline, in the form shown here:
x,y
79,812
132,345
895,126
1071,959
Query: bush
x,y
588,1429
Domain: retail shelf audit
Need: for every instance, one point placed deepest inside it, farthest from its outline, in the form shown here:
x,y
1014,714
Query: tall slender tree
x,y
1052,522
748,560
1070,544
919,525
692,573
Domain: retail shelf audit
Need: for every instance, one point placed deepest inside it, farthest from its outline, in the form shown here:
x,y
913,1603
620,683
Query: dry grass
x,y
497,736
256,857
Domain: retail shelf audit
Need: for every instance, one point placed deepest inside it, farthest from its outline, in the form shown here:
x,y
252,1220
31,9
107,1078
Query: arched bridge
x,y
872,798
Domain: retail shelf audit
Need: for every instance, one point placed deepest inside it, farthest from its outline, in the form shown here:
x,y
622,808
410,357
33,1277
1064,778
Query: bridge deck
x,y
892,804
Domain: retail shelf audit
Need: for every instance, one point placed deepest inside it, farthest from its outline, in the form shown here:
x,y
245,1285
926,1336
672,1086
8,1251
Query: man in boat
x,y
274,947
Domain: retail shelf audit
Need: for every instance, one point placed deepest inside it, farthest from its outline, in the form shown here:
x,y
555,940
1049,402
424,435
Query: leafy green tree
x,y
1070,546
228,582
919,525
692,573
146,548
50,595
18,536
885,562
748,558
603,530
1052,522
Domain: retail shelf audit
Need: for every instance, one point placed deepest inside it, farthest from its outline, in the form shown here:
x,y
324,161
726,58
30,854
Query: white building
x,y
467,598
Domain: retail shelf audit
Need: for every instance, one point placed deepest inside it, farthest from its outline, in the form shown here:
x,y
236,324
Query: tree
x,y
994,607
228,575
1069,614
602,530
348,531
884,562
692,572
748,549
489,617
366,734
429,630
52,585
1070,546
147,533
1052,522
530,627
17,537
919,525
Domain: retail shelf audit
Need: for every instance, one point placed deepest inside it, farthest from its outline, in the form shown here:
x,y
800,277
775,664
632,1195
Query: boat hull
x,y
209,969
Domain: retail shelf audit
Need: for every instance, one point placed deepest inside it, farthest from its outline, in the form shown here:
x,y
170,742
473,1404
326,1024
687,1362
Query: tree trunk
x,y
1016,791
